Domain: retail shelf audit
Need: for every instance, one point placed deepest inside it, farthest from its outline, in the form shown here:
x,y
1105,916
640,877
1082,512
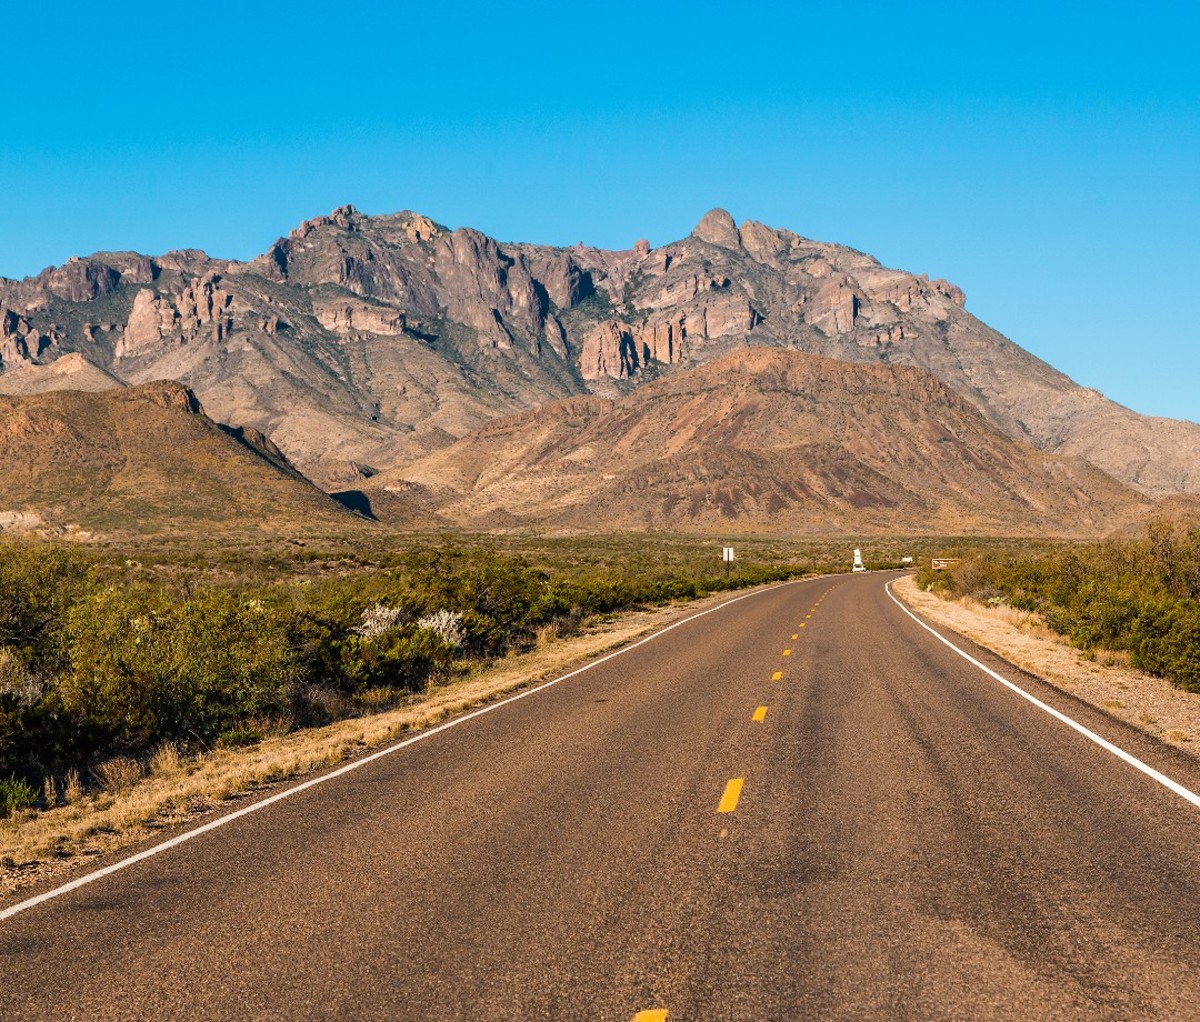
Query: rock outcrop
x,y
350,317
609,350
202,309
717,228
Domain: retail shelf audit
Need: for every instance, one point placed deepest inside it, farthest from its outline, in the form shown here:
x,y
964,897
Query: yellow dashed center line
x,y
787,652
801,624
760,713
777,676
651,1015
796,636
733,791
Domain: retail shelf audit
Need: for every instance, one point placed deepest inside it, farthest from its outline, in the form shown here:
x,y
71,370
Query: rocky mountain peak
x,y
717,228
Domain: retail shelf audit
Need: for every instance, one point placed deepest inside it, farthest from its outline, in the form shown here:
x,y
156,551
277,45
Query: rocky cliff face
x,y
360,343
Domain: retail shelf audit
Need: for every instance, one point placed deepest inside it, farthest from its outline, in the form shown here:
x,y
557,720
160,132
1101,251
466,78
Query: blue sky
x,y
1044,157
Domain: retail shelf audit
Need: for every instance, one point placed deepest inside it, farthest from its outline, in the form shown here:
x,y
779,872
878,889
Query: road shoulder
x,y
1152,705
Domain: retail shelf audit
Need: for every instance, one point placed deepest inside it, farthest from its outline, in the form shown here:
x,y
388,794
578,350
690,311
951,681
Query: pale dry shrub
x,y
322,704
118,773
375,700
49,792
72,787
563,627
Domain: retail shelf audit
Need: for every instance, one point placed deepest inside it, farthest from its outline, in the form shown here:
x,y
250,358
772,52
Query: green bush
x,y
238,737
15,795
145,668
37,587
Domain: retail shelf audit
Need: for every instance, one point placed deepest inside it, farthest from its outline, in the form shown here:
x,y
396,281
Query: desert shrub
x,y
118,773
495,594
379,619
445,624
405,657
238,737
145,668
38,585
15,795
1167,643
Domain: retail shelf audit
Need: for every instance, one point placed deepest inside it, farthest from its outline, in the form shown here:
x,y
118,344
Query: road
x,y
895,836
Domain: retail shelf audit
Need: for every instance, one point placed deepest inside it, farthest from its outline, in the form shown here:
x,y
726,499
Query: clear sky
x,y
1045,157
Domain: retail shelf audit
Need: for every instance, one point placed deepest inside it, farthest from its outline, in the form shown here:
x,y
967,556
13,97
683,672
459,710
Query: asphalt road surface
x,y
802,806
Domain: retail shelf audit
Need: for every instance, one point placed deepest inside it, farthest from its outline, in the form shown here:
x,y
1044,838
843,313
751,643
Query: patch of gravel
x,y
1149,703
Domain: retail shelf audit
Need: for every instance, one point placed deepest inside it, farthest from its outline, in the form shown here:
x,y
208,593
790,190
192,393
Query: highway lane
x,y
909,840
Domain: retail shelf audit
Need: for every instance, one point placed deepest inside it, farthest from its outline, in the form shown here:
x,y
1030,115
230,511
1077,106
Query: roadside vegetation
x,y
116,663
1136,598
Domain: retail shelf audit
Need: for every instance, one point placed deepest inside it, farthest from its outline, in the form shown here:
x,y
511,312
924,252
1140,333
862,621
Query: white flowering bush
x,y
378,620
446,624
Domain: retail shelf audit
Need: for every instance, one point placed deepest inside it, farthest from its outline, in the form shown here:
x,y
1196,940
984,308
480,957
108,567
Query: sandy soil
x,y
1151,704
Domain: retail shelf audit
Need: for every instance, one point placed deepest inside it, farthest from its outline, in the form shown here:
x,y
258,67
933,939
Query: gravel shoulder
x,y
1151,704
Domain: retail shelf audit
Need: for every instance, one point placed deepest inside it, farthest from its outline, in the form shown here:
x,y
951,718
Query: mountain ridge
x,y
360,343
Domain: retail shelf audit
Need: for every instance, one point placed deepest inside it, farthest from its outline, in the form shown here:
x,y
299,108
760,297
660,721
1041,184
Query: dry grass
x,y
72,787
42,845
1106,681
165,759
119,773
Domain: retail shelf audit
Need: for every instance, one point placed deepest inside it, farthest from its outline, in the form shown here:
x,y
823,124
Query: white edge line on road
x,y
1104,743
221,821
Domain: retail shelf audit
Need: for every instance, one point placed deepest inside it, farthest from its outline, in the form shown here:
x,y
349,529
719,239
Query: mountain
x,y
760,439
361,343
146,459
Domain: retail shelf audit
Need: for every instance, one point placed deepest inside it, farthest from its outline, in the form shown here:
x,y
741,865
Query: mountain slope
x,y
146,458
360,343
761,439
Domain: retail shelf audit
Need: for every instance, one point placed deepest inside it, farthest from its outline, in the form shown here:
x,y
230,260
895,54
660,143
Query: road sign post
x,y
727,557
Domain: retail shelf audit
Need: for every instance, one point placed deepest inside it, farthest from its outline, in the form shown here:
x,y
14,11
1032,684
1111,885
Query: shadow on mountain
x,y
356,501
